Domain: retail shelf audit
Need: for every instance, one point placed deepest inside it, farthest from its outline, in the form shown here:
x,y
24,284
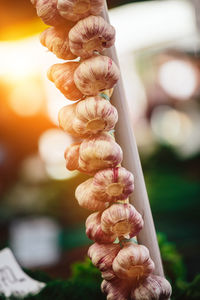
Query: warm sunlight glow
x,y
20,72
26,98
17,59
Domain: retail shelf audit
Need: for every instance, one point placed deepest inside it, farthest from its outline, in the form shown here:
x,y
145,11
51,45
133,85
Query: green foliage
x,y
85,270
172,260
83,284
189,291
85,280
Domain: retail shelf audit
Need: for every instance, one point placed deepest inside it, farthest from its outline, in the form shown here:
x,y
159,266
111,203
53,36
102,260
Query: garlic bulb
x,y
62,76
75,10
113,184
95,74
133,262
102,255
66,117
93,154
48,12
88,117
84,196
152,288
123,220
94,115
100,184
91,34
99,152
72,156
116,289
57,41
94,231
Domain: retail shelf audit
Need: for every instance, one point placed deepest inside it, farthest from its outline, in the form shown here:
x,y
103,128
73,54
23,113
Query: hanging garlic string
x,y
124,264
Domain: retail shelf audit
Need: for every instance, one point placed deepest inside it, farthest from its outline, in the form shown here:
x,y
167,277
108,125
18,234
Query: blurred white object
x,y
13,281
59,171
178,78
171,126
140,25
35,241
52,145
145,25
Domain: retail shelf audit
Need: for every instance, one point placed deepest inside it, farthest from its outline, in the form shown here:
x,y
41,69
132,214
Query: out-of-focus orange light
x,y
20,71
26,98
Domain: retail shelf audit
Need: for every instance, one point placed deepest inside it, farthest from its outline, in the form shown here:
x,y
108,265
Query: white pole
x,y
125,137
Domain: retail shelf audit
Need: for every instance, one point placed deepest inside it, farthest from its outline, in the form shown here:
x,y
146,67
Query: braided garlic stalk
x,y
126,266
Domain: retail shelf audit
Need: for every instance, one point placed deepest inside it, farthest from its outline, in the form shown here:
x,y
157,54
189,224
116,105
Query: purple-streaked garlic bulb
x,y
97,187
88,117
94,231
113,184
152,288
99,152
75,10
57,41
84,196
62,76
102,256
99,191
133,262
116,289
91,34
123,220
48,12
96,74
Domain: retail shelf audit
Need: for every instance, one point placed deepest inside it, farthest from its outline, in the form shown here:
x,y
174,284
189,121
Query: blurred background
x,y
158,47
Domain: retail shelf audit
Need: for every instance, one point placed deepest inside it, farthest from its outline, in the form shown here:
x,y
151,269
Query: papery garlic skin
x,y
152,288
57,41
94,115
75,10
94,231
85,198
123,220
99,152
133,262
113,184
102,255
66,117
72,156
116,289
97,187
89,35
62,76
93,154
96,74
88,117
48,12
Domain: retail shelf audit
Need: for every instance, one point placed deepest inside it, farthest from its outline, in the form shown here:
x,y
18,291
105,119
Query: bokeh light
x,y
27,98
52,145
178,78
170,125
